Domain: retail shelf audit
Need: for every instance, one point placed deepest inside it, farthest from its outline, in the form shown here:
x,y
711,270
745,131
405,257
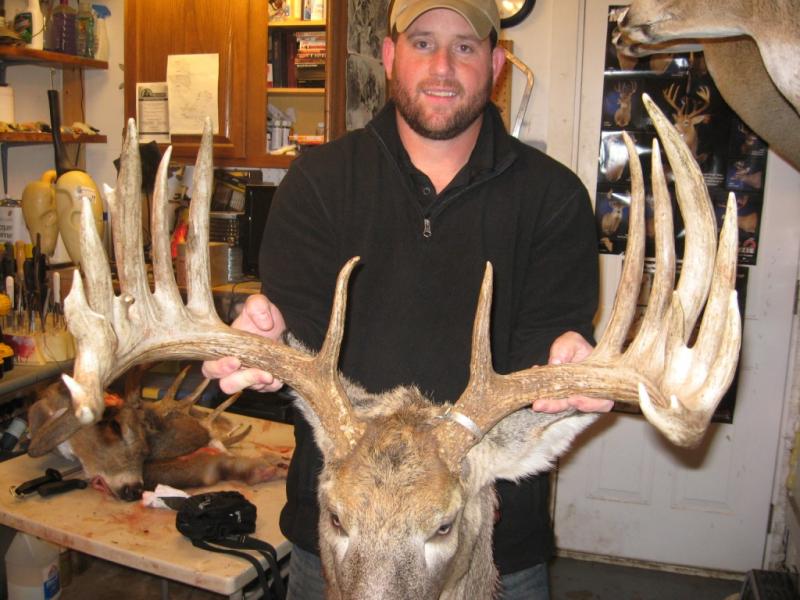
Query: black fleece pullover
x,y
412,299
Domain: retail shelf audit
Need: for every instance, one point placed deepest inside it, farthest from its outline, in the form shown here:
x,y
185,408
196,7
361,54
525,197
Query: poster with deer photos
x,y
731,157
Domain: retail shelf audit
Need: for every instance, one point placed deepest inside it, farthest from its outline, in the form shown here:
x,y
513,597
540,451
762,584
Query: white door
x,y
623,491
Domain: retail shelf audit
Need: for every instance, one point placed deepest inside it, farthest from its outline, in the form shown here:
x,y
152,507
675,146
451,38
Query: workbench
x,y
145,538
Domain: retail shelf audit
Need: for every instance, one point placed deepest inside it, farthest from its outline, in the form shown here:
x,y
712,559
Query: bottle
x,y
101,13
63,28
11,435
29,24
32,569
84,30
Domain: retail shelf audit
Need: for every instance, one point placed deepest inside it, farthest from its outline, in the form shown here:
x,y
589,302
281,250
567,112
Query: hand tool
x,y
50,476
57,309
59,487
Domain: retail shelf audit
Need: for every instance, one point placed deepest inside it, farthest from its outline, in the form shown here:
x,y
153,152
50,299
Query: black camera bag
x,y
222,522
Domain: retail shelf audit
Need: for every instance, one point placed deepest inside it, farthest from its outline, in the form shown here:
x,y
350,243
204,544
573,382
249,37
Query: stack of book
x,y
309,60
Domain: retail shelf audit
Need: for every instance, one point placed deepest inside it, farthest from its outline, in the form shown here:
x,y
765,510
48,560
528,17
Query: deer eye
x,y
444,529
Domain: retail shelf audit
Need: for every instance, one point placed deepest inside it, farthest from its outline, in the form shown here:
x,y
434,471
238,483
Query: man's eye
x,y
465,48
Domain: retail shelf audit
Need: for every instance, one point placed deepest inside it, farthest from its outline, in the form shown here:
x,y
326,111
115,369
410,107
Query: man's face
x,y
441,75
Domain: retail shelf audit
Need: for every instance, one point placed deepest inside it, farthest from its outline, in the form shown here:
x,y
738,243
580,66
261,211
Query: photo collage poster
x,y
731,157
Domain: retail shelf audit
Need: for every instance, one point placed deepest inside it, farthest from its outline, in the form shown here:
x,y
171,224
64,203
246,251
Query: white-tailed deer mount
x,y
752,50
406,491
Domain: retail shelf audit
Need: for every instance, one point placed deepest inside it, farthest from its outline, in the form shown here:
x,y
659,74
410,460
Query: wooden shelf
x,y
298,24
21,138
24,55
278,91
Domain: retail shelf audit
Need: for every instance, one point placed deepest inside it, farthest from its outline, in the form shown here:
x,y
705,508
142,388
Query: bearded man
x,y
428,192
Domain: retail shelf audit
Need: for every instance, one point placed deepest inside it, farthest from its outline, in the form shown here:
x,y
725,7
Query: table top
x,y
146,538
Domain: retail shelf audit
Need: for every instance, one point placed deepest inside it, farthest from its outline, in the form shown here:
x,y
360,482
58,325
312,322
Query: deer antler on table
x,y
677,387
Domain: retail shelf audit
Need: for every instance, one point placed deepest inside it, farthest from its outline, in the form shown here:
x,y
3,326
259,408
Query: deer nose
x,y
129,493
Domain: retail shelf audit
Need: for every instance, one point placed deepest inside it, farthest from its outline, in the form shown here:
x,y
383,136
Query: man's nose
x,y
442,62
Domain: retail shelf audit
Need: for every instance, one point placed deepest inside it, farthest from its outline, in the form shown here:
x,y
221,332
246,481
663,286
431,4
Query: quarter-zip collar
x,y
494,152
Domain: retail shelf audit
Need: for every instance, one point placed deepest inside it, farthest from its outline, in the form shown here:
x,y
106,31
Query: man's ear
x,y
498,60
387,53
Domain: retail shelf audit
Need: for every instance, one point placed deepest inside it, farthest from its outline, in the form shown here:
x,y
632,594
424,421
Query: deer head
x,y
687,119
625,91
406,492
131,444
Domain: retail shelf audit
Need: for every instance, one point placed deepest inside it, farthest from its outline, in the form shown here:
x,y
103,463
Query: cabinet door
x,y
155,29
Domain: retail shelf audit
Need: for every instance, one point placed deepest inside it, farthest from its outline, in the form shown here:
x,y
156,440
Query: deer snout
x,y
131,492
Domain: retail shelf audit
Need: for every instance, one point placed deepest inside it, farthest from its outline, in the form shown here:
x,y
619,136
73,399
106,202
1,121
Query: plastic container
x,y
63,29
84,32
101,13
12,434
32,569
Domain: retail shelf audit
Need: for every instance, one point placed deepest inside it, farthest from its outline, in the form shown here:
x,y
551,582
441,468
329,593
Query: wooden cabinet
x,y
237,31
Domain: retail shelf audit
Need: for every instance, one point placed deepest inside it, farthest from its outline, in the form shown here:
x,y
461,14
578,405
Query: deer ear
x,y
51,419
524,443
59,428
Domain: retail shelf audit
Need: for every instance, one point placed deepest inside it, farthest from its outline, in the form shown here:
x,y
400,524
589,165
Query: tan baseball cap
x,y
481,14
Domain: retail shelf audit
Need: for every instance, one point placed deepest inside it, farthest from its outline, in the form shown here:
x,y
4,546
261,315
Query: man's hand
x,y
567,348
263,318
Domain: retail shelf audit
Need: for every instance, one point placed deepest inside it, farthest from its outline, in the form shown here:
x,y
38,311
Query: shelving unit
x,y
308,103
236,30
71,97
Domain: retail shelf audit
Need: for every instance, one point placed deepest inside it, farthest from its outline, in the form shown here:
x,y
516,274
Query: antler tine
x,y
698,218
677,387
624,307
648,346
127,224
198,285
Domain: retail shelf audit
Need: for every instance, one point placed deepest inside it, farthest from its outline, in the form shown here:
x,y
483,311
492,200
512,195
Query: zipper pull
x,y
426,230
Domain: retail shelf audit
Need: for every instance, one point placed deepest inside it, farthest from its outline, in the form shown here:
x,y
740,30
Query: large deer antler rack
x,y
677,387
115,332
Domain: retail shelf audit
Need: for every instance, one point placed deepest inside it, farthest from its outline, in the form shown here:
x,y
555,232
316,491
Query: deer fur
x,y
135,446
413,510
752,51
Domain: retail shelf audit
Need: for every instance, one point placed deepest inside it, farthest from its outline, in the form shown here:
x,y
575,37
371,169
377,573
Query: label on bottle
x,y
23,25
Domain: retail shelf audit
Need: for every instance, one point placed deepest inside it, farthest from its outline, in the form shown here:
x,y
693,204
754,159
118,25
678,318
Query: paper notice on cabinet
x,y
192,83
152,112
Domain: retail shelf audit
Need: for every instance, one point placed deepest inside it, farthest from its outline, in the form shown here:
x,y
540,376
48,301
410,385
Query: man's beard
x,y
457,122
